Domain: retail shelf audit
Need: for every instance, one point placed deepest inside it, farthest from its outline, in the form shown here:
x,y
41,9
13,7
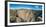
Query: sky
x,y
18,6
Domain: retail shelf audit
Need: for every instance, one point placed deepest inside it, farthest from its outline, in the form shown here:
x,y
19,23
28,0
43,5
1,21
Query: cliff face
x,y
22,15
12,12
25,14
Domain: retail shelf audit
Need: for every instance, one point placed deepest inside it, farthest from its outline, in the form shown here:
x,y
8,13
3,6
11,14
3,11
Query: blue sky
x,y
33,7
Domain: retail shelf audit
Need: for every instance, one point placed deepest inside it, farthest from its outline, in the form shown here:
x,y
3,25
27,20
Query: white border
x,y
8,21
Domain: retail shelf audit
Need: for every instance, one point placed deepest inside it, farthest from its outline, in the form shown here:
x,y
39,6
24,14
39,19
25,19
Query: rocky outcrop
x,y
22,15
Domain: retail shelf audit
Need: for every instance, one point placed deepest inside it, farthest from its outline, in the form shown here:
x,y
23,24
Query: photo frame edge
x,y
24,24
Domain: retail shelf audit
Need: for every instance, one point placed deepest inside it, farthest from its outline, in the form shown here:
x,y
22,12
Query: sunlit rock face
x,y
23,15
